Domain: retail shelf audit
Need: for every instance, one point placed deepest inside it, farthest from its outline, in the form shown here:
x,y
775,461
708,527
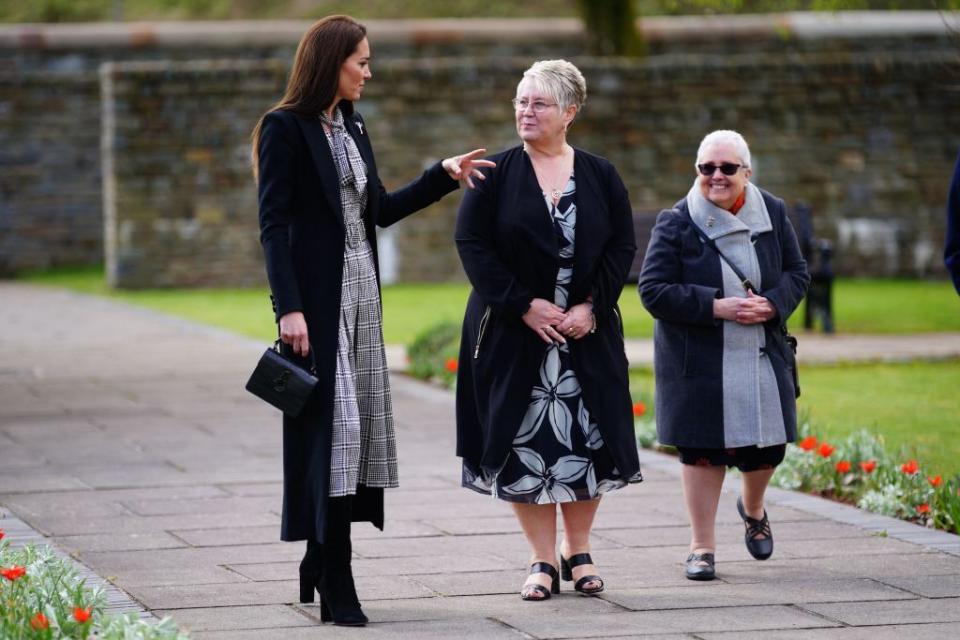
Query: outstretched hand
x,y
464,168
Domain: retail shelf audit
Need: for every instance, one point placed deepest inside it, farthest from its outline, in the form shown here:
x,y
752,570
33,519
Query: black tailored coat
x,y
509,251
303,236
679,281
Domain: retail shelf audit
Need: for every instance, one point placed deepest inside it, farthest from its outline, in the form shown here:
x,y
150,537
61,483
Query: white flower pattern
x,y
581,469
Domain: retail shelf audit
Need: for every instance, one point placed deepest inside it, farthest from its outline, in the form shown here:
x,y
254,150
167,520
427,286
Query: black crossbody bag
x,y
790,340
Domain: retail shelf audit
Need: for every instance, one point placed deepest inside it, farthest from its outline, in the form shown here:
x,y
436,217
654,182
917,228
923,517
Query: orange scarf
x,y
736,206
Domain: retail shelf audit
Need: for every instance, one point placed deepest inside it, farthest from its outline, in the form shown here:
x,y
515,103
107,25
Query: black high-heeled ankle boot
x,y
336,586
310,569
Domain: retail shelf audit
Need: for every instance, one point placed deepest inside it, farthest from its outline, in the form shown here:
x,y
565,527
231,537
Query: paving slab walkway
x,y
127,440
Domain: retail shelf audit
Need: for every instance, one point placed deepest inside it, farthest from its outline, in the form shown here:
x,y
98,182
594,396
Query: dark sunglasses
x,y
727,168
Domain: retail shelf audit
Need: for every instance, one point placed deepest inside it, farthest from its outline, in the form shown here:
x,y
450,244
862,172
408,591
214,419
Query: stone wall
x,y
859,117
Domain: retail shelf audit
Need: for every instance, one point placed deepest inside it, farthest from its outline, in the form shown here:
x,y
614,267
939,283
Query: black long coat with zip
x,y
507,244
303,236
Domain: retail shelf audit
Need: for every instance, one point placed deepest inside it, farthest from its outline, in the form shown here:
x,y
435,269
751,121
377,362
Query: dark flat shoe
x,y
696,571
528,591
760,548
566,568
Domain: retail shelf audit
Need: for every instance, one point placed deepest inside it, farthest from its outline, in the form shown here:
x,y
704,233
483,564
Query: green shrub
x,y
433,354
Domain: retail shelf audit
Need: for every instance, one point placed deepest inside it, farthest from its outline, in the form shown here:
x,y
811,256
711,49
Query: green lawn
x,y
915,405
862,306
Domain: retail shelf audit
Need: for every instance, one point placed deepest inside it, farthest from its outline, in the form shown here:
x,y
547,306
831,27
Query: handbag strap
x,y
707,240
744,280
276,343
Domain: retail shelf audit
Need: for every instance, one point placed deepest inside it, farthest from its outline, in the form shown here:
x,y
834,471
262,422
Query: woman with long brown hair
x,y
320,202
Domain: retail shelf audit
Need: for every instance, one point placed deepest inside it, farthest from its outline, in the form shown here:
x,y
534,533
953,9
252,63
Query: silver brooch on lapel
x,y
360,127
710,221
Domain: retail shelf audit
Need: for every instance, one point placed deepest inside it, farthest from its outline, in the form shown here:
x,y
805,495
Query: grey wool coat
x,y
722,385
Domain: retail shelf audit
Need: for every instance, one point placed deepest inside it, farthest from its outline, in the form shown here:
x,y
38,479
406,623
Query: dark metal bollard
x,y
819,254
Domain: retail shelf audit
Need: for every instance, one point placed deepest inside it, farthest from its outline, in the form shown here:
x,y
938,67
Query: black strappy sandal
x,y
544,594
566,567
759,548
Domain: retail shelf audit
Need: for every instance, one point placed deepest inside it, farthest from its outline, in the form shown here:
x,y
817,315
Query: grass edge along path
x,y
861,305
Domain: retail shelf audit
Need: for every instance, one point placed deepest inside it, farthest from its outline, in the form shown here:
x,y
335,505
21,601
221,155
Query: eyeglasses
x,y
727,168
538,106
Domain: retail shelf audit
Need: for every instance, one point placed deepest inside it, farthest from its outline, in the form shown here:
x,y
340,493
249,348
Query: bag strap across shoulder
x,y
744,280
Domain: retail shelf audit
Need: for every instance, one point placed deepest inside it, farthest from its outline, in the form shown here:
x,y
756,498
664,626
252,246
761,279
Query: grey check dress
x,y
558,454
363,443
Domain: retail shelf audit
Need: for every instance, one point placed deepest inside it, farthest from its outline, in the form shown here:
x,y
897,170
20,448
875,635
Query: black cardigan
x,y
509,251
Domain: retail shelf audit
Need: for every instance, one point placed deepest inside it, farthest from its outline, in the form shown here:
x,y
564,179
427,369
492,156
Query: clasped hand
x,y
753,309
553,324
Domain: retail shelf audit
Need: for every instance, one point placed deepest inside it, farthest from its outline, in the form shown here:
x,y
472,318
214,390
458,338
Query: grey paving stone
x,y
175,575
885,632
426,564
810,530
878,567
803,549
256,490
116,562
730,595
480,629
230,536
665,622
264,617
37,478
118,542
444,545
947,586
183,505
177,525
478,607
394,529
186,596
900,612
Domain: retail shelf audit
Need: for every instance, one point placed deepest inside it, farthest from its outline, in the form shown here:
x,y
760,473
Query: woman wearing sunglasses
x,y
722,273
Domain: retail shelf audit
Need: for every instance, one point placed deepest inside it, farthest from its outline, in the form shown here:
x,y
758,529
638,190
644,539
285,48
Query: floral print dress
x,y
558,454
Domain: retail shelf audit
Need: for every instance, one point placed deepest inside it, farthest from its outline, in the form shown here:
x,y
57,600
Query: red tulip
x,y
639,409
451,365
808,443
13,573
40,622
843,466
923,508
935,481
825,450
910,467
3,534
81,615
868,466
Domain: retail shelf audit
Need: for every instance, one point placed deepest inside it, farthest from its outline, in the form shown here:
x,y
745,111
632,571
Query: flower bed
x,y
42,597
859,471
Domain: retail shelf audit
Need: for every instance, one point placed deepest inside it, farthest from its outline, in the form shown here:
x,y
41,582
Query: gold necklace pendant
x,y
556,195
